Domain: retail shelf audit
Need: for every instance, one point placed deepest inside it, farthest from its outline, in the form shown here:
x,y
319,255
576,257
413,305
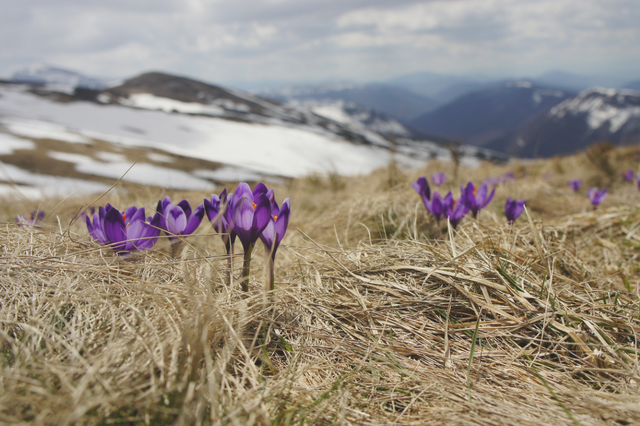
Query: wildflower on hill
x,y
628,175
513,209
33,220
124,232
423,189
596,197
476,198
178,220
220,216
438,178
576,184
275,230
251,214
455,210
435,206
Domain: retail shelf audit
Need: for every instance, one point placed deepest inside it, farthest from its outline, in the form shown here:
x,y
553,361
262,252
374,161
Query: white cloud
x,y
284,39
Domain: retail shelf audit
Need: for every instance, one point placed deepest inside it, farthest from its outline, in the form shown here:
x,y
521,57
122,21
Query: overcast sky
x,y
231,41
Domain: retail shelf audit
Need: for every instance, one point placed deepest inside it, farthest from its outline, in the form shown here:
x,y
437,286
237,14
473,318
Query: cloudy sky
x,y
234,41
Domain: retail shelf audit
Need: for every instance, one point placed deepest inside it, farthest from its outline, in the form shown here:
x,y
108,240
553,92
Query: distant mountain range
x,y
595,115
394,102
480,117
527,117
176,132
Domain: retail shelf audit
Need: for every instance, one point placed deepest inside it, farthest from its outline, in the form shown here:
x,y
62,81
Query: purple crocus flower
x,y
576,184
124,232
455,210
423,189
438,178
436,206
275,229
628,175
251,214
513,209
220,215
596,197
32,221
178,220
476,199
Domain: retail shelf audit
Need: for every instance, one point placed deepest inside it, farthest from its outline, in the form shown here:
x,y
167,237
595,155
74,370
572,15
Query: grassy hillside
x,y
377,317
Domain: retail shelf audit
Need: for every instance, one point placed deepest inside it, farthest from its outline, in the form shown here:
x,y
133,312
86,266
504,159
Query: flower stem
x,y
230,265
271,273
246,267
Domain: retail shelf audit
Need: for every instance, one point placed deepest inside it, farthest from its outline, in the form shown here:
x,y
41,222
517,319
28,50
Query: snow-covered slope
x,y
603,109
187,135
594,115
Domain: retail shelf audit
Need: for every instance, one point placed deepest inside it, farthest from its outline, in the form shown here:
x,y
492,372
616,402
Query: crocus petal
x,y
262,214
115,228
194,220
243,190
135,231
165,202
150,233
212,208
243,213
176,220
268,235
489,198
421,186
481,194
186,208
130,213
283,219
260,188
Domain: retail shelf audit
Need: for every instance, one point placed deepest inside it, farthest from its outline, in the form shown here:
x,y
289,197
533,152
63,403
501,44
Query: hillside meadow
x,y
377,318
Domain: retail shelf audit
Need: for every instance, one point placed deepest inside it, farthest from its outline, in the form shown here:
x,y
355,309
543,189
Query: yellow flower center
x,y
275,218
254,205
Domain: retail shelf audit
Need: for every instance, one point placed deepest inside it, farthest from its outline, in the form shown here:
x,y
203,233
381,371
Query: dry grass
x,y
374,320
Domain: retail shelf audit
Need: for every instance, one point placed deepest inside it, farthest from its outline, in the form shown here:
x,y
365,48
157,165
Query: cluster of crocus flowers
x,y
245,215
513,209
31,221
455,210
124,232
596,197
439,206
248,216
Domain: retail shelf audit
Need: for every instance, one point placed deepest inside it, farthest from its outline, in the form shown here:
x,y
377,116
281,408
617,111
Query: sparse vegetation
x,y
373,320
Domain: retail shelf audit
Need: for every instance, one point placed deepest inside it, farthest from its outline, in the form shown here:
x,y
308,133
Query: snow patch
x,y
34,185
141,173
110,156
35,129
9,143
230,174
149,101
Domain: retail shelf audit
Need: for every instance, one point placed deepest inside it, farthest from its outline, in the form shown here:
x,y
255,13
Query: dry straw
x,y
373,321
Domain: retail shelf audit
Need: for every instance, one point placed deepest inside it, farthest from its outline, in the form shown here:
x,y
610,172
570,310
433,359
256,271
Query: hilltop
x,y
377,317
